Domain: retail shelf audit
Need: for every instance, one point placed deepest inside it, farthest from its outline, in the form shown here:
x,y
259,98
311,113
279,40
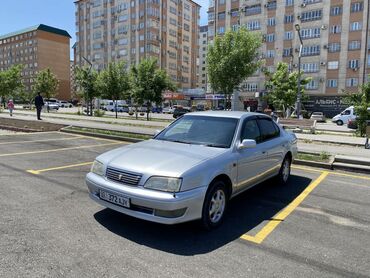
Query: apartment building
x,y
37,48
203,44
116,30
335,35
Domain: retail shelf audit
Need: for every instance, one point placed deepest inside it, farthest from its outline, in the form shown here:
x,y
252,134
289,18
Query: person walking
x,y
39,103
11,107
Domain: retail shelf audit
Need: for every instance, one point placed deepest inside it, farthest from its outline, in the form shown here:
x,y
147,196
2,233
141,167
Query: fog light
x,y
170,213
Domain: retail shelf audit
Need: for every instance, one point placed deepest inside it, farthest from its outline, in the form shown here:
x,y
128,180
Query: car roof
x,y
226,114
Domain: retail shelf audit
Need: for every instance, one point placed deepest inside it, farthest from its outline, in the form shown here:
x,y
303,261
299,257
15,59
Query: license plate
x,y
115,199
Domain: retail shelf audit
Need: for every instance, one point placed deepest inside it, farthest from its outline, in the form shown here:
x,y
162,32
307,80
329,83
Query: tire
x,y
284,172
339,122
216,199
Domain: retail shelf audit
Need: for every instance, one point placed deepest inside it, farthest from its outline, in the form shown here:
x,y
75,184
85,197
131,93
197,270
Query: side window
x,y
251,131
347,112
268,129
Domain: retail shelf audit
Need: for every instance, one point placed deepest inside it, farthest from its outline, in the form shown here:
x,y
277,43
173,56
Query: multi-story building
x,y
335,36
203,45
37,48
116,30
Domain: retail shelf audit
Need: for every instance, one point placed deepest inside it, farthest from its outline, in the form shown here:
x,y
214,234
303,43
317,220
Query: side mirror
x,y
247,144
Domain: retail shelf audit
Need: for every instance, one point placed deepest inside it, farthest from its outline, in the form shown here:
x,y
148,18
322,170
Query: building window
x,y
357,7
221,2
355,26
354,45
335,29
221,30
311,50
287,52
235,27
289,18
271,5
289,2
310,67
311,1
312,85
332,83
333,47
271,21
311,15
288,35
234,13
351,82
310,33
255,9
221,16
353,64
337,10
270,53
333,65
270,37
251,87
253,25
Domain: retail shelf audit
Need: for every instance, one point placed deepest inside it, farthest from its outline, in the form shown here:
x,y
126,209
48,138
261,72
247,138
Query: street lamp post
x,y
299,96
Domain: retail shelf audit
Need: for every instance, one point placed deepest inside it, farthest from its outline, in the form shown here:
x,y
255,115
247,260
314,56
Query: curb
x,y
331,142
19,129
103,136
325,165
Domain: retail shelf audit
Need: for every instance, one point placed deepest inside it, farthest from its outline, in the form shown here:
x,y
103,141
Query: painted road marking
x,y
333,173
279,217
92,137
37,172
44,140
61,149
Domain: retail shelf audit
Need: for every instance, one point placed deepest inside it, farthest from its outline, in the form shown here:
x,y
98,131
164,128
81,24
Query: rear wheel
x,y
284,172
339,122
215,205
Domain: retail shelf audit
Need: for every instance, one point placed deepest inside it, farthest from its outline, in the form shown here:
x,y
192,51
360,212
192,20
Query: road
x,y
316,226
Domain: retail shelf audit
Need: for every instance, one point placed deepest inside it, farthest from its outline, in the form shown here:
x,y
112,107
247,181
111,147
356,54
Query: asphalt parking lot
x,y
317,226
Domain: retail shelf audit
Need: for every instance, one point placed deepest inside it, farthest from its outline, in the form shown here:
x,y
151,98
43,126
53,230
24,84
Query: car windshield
x,y
201,130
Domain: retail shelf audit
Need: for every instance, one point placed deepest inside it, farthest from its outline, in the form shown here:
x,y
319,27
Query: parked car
x,y
318,116
345,116
157,109
352,124
180,111
206,159
120,108
65,104
168,110
51,105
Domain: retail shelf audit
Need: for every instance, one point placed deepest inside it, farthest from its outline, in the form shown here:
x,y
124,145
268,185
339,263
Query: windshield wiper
x,y
216,145
179,141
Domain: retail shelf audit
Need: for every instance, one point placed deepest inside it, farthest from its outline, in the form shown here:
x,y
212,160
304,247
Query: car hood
x,y
158,157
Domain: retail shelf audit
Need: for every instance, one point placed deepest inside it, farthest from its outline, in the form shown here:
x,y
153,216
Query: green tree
x,y
85,79
148,83
113,83
282,87
361,101
231,59
11,82
46,84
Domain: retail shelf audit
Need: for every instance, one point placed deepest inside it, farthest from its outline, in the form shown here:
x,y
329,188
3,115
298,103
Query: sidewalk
x,y
332,139
87,123
109,120
334,150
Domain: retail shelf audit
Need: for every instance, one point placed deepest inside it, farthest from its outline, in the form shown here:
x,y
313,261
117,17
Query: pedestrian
x,y
11,107
39,103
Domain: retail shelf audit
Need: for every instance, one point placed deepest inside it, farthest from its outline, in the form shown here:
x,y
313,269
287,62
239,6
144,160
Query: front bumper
x,y
148,204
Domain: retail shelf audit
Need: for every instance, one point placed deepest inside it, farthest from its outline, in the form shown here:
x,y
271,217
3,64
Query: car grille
x,y
123,177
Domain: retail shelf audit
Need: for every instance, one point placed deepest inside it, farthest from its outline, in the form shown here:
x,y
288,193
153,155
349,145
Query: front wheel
x,y
284,172
215,205
339,122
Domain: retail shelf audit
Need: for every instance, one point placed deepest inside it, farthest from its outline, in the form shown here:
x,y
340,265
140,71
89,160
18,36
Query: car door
x,y
251,162
273,143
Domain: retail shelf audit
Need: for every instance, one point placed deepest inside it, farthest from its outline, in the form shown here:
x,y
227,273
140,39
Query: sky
x,y
19,14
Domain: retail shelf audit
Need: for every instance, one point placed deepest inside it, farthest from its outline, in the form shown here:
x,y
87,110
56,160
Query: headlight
x,y
98,168
164,184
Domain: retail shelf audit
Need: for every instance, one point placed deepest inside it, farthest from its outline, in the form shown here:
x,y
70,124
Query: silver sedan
x,y
191,169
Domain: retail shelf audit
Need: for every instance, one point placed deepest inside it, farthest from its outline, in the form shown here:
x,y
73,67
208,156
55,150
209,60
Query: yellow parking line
x,y
61,149
44,140
37,172
91,137
31,133
332,173
278,218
